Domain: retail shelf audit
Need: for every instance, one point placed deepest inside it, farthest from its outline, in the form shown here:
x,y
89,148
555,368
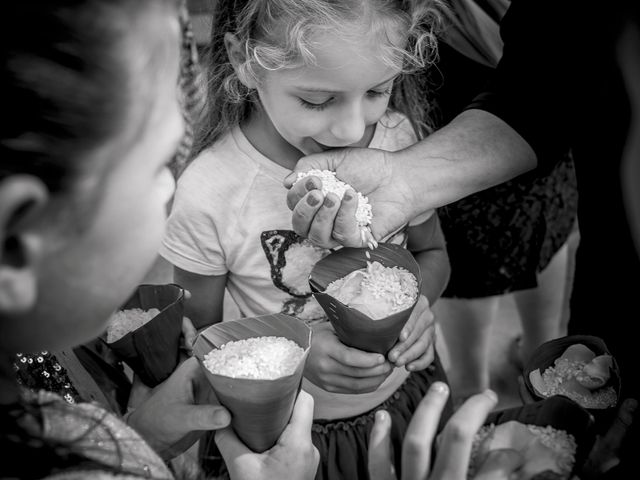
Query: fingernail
x,y
380,359
410,368
221,417
291,178
313,200
440,387
328,202
491,394
403,335
347,196
309,185
381,415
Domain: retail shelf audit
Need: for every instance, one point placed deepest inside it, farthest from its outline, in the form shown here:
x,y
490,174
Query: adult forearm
x,y
477,150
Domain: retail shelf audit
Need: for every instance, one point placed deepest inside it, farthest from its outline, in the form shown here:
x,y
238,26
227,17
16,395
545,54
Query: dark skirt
x,y
344,444
499,239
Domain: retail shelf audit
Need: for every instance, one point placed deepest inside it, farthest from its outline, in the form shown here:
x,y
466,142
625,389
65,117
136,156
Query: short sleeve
x,y
529,88
192,240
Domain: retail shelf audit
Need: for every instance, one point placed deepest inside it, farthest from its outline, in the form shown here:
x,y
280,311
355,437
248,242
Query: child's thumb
x,y
206,417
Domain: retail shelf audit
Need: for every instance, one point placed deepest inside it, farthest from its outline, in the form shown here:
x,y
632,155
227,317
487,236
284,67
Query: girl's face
x,y
86,274
334,103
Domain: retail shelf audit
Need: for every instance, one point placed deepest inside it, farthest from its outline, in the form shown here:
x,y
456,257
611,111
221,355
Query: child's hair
x,y
275,35
68,81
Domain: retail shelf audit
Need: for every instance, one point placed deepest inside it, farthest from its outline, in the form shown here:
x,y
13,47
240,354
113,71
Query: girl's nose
x,y
349,125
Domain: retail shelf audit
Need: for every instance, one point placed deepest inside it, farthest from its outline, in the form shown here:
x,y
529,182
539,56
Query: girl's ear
x,y
237,57
20,244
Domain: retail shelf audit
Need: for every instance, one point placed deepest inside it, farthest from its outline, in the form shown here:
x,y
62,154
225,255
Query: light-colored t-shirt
x,y
230,216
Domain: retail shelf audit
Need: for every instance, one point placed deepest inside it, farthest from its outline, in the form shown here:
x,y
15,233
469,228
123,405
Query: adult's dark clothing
x,y
501,238
559,86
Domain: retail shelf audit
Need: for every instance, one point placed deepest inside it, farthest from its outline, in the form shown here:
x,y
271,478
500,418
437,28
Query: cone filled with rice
x,y
369,312
579,367
255,367
145,332
554,437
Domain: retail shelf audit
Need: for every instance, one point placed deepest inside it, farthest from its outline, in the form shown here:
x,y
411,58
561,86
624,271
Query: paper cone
x,y
152,351
353,327
558,412
260,409
546,354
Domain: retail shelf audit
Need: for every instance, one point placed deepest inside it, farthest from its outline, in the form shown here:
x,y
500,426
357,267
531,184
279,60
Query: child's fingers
x,y
422,362
416,446
341,384
458,434
416,350
189,333
354,357
355,372
301,418
413,348
379,455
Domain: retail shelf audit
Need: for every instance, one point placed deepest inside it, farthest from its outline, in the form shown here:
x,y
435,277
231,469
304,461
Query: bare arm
x,y
475,151
427,243
207,295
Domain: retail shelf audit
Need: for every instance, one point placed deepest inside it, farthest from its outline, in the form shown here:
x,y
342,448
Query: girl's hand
x,y
340,369
415,347
293,456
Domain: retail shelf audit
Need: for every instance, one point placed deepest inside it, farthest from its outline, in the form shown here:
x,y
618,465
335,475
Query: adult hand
x,y
337,368
294,457
415,347
455,446
178,411
368,171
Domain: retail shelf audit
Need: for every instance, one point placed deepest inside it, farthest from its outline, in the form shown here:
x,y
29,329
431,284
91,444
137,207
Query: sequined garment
x,y
111,448
41,371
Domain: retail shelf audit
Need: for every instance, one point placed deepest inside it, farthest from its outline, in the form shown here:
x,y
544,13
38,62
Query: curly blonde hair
x,y
277,34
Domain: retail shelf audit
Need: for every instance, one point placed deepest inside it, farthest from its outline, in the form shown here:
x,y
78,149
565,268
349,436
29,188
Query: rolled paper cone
x,y
546,354
152,351
354,328
260,409
558,412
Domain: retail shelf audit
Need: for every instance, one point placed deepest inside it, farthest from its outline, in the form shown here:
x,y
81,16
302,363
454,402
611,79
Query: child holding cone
x,y
288,78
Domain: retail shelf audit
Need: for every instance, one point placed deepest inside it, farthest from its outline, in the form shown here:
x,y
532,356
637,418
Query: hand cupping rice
x,y
376,291
258,358
125,321
330,183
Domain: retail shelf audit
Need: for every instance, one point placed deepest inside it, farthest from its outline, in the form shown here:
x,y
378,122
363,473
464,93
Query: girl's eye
x,y
377,93
315,106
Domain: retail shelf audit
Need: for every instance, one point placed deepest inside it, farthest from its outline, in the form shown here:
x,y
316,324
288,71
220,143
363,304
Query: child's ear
x,y
20,244
237,57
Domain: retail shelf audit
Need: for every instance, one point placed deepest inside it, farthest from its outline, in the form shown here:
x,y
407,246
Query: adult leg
x,y
466,327
541,308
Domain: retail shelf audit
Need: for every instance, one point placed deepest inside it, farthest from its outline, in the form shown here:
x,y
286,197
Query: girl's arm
x,y
427,243
205,306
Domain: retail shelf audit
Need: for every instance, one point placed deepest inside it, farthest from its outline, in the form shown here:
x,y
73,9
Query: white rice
x,y
125,321
260,358
396,285
330,183
561,442
554,382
